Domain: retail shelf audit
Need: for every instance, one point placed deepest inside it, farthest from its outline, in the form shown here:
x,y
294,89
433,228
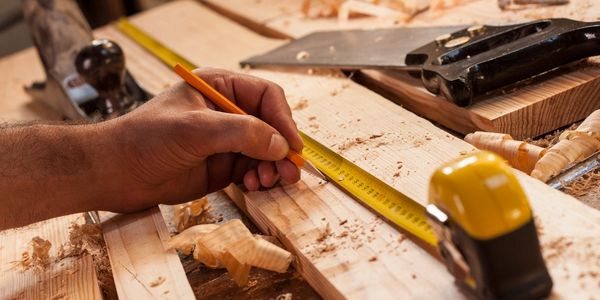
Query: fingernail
x,y
278,147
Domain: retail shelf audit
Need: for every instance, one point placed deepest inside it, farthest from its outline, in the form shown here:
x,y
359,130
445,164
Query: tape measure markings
x,y
371,191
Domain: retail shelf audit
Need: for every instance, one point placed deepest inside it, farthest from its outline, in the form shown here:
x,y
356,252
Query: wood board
x,y
69,278
561,98
141,264
408,145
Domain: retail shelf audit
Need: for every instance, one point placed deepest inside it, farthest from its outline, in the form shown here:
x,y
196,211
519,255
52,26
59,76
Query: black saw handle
x,y
472,62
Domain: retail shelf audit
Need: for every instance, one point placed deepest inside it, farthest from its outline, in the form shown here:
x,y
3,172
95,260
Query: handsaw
x,y
461,63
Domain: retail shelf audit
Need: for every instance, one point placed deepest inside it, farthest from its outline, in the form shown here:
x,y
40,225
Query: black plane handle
x,y
474,61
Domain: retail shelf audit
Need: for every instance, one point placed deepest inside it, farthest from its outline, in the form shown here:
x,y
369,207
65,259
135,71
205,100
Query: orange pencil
x,y
227,105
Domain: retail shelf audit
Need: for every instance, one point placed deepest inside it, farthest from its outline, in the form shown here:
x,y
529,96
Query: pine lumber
x,y
142,266
69,278
541,106
351,261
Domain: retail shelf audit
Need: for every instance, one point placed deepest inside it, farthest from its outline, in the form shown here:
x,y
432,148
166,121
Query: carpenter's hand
x,y
178,146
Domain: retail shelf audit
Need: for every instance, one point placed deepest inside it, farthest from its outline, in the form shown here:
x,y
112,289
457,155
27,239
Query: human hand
x,y
178,146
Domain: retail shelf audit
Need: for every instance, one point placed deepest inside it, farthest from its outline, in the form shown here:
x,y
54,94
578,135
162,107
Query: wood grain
x,y
19,70
139,258
540,107
378,263
70,278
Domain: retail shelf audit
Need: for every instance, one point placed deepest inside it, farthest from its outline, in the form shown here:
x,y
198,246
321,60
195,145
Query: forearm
x,y
47,171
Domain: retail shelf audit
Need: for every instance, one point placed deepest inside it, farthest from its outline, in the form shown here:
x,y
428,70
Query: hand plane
x,y
86,78
461,63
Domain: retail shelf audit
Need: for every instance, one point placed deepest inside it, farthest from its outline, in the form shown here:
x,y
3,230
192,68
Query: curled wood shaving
x,y
231,246
520,155
193,213
573,145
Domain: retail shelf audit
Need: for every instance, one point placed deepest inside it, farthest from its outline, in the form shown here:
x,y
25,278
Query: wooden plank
x,y
298,214
141,265
537,108
70,278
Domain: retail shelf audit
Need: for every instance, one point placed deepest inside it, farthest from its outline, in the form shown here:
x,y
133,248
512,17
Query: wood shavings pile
x,y
84,239
87,239
586,188
193,213
573,146
231,246
38,254
569,148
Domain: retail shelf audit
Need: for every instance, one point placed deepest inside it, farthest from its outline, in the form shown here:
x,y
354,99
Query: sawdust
x,y
325,233
158,281
38,255
550,139
302,55
84,239
352,142
300,105
87,239
586,188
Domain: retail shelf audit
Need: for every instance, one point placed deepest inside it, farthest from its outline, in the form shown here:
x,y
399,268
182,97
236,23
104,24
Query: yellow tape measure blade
x,y
376,194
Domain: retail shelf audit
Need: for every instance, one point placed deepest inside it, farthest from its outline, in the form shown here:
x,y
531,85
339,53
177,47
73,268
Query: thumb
x,y
223,132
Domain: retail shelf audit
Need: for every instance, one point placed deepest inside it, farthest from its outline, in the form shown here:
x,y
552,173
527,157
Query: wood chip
x,y
231,246
302,55
157,282
193,213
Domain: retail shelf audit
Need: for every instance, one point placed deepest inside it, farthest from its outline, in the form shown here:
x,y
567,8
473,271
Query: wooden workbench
x,y
297,214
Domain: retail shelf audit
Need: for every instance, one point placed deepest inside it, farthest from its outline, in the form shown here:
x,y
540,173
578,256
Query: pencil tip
x,y
311,169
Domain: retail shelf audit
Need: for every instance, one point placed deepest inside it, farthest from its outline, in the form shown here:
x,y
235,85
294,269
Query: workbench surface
x,y
22,68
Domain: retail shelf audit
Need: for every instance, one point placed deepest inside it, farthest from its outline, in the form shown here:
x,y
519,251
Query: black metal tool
x,y
86,78
461,65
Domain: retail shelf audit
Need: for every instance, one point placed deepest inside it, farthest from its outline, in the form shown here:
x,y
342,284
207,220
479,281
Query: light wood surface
x,y
560,99
378,263
70,278
21,69
142,267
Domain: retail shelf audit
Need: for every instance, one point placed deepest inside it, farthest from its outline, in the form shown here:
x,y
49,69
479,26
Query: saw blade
x,y
352,49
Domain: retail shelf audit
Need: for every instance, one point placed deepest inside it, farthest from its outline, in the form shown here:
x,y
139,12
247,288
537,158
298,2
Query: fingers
x,y
267,174
288,172
258,97
216,132
251,180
